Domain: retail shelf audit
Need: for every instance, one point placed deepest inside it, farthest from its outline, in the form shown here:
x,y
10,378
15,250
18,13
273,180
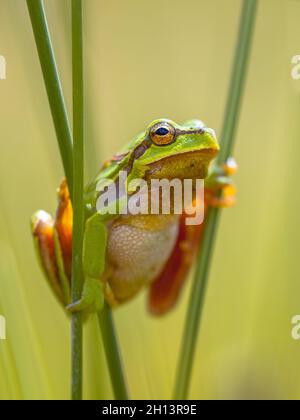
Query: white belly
x,y
137,255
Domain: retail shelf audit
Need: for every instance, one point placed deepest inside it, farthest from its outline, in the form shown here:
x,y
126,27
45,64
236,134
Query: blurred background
x,y
145,60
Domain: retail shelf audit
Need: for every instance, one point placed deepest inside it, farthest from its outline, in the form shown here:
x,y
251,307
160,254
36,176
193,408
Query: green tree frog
x,y
122,254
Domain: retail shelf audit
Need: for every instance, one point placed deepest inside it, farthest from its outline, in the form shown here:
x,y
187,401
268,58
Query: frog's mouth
x,y
185,165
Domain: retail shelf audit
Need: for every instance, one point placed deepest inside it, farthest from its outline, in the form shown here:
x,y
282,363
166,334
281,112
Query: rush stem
x,y
199,287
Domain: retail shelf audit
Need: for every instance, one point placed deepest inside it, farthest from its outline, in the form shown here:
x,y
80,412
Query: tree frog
x,y
124,253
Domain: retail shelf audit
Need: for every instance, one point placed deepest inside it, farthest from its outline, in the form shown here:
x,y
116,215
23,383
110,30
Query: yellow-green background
x,y
145,60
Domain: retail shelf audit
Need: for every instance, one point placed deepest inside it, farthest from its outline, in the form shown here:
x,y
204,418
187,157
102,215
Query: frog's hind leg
x,y
64,226
42,226
166,288
53,241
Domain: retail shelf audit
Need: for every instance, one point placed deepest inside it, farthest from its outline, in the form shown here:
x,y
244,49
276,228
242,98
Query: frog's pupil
x,y
162,131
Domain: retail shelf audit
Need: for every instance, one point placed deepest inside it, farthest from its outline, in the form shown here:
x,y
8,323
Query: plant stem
x,y
75,178
53,86
197,298
78,199
238,79
111,348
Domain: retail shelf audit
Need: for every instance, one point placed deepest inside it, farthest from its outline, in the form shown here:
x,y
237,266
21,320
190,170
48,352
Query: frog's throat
x,y
185,165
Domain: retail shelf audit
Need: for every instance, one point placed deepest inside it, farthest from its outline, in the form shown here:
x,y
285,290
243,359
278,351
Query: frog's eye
x,y
162,134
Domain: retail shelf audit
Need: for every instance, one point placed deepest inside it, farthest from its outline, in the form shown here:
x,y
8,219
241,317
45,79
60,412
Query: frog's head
x,y
166,150
169,150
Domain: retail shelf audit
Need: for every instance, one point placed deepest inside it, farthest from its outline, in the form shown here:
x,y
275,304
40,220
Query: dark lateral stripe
x,y
147,143
181,132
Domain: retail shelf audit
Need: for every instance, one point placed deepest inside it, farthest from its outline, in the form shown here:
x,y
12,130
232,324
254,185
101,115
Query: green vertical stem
x,y
113,356
78,203
75,179
197,298
53,85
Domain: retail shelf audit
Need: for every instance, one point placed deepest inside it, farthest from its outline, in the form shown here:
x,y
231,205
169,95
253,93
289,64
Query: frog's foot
x,y
91,299
50,255
220,190
225,200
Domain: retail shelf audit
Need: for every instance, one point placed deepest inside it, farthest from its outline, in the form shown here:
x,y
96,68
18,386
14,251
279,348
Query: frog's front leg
x,y
94,256
220,190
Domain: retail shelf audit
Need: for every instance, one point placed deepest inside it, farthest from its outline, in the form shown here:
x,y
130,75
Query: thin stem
x,y
78,203
53,85
197,298
63,132
238,79
113,356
